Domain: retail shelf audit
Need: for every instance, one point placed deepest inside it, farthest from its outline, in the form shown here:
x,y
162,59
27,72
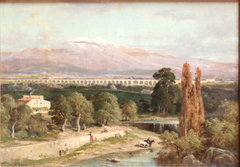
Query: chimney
x,y
31,93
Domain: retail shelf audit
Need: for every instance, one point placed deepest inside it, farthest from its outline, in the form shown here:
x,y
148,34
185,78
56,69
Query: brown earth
x,y
99,148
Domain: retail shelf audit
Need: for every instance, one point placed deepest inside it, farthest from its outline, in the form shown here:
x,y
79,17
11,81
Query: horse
x,y
143,143
149,142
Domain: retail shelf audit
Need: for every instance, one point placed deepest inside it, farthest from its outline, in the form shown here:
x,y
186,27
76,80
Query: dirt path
x,y
99,148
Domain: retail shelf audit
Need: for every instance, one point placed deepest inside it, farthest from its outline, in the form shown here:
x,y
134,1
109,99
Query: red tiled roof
x,y
26,99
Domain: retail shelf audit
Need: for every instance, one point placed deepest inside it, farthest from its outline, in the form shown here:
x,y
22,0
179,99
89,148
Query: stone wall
x,y
50,149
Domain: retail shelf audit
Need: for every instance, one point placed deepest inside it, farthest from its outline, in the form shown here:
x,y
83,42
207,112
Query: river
x,y
143,158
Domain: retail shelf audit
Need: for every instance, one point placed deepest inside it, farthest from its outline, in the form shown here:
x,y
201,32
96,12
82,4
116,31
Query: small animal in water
x,y
143,143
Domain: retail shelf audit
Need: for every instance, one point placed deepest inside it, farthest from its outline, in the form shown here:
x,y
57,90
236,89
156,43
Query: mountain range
x,y
86,57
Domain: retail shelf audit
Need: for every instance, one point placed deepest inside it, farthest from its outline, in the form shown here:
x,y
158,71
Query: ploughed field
x,y
48,95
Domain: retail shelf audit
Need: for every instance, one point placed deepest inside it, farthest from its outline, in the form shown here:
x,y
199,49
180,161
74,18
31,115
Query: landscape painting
x,y
119,84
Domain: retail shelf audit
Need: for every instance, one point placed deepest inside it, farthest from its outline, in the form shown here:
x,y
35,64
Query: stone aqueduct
x,y
139,82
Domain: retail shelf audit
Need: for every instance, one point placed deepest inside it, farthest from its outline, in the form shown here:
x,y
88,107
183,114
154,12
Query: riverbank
x,y
96,148
125,144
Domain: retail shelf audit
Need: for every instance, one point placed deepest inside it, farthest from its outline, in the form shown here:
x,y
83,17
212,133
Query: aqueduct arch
x,y
90,81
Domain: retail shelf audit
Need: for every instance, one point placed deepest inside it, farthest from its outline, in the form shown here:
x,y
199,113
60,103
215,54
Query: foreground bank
x,y
93,149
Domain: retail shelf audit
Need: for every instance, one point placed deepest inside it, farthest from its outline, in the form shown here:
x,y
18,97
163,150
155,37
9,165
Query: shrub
x,y
223,133
180,147
37,126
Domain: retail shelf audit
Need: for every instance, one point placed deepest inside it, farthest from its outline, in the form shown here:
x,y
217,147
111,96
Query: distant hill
x,y
87,57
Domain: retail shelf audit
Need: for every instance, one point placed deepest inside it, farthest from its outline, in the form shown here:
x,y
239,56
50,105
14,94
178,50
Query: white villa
x,y
35,102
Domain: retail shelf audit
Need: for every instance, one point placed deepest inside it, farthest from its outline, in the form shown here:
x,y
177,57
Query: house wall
x,y
39,103
50,149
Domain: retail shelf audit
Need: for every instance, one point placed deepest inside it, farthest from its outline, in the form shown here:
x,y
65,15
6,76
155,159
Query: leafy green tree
x,y
143,105
8,102
106,108
5,118
81,108
129,109
36,125
19,118
175,96
61,111
11,86
162,100
210,99
89,97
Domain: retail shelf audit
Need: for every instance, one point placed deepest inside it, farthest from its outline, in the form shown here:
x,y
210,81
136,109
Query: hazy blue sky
x,y
204,30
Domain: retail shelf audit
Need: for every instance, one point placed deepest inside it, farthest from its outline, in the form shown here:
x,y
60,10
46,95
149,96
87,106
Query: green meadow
x,y
48,95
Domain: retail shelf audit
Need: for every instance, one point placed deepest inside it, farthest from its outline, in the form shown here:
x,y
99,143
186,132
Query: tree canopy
x,y
107,109
81,108
5,117
19,119
61,111
165,95
36,125
129,109
8,102
165,76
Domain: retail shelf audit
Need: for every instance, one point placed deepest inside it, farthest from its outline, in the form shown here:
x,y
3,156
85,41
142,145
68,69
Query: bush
x,y
223,133
21,134
36,125
180,147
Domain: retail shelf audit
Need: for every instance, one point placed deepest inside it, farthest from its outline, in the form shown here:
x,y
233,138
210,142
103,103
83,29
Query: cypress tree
x,y
192,112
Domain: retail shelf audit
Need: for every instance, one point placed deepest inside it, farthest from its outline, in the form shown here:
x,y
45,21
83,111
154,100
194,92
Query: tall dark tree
x,y
143,105
5,118
162,96
8,102
19,119
61,111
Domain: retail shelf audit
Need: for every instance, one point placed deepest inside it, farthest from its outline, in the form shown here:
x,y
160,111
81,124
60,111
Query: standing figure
x,y
148,140
91,136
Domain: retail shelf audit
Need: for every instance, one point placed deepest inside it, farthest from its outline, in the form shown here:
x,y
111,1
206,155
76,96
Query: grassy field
x,y
48,95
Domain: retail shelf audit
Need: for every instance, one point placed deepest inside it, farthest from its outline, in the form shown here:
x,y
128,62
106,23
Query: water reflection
x,y
143,158
160,120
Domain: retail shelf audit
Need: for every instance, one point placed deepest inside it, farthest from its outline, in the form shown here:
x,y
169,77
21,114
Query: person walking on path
x,y
91,136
